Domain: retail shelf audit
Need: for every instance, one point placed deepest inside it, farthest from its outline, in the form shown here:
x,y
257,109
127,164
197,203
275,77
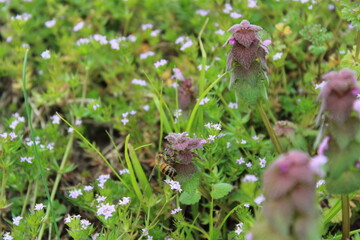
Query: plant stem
x,y
26,198
345,217
211,219
269,128
56,184
357,46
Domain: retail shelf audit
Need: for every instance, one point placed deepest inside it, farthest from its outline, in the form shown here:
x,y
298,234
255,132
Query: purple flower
x,y
247,46
338,94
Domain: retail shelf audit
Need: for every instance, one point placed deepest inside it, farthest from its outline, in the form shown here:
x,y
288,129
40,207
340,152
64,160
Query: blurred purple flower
x,y
338,94
180,147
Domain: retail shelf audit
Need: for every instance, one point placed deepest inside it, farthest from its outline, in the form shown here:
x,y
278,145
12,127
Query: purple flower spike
x,y
337,94
247,46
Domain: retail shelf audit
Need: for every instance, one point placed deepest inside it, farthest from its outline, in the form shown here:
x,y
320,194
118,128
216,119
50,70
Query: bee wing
x,y
152,173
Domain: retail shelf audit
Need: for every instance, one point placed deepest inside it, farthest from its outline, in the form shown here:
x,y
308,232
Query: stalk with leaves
x,y
248,64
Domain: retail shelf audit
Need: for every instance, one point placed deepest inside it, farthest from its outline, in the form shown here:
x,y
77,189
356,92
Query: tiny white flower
x,y
124,171
320,182
174,185
211,138
248,164
235,15
252,3
233,105
250,178
70,130
240,161
146,55
84,224
220,32
88,188
114,44
12,136
138,82
202,12
131,38
216,126
100,199
124,121
277,56
50,23
146,26
228,8
106,210
79,26
200,67
75,193
239,228
26,159
259,199
133,112
243,141
55,119
228,144
255,138
9,39
124,201
95,106
68,219
175,211
161,62
155,32
45,54
146,108
82,41
7,236
39,206
16,220
204,101
78,122
320,85
262,162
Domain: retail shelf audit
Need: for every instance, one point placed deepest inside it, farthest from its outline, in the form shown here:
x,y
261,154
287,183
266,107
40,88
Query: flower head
x,y
338,94
106,210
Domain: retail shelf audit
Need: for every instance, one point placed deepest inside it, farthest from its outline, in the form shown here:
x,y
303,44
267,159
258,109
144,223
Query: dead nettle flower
x,y
247,47
284,128
289,208
339,94
180,146
186,91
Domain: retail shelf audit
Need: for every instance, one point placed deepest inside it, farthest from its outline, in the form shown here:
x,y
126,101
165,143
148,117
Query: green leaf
x,y
345,133
221,190
190,198
348,182
341,160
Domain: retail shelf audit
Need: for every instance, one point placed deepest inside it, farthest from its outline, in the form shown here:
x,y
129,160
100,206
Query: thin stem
x,y
211,219
26,199
357,46
56,183
195,109
345,217
269,128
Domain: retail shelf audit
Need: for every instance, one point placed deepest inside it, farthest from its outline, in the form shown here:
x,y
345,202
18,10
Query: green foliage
x,y
89,83
351,12
220,190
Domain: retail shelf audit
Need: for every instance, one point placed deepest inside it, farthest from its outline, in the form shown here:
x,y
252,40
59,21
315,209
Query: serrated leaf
x,y
190,198
348,182
340,161
345,133
220,190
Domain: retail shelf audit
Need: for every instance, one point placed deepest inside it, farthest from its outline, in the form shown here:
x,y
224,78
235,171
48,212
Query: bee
x,y
165,165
